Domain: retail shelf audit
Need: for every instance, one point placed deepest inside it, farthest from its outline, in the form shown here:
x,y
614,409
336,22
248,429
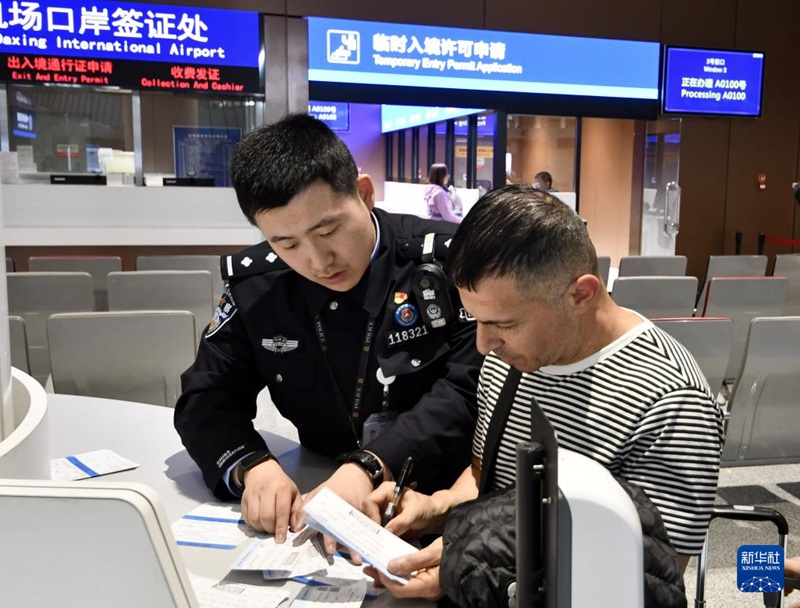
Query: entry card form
x,y
89,464
332,515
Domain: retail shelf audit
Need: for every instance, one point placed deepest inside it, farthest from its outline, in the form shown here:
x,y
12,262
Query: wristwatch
x,y
247,463
367,461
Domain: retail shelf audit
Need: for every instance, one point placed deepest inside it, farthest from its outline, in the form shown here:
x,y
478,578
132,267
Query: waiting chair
x,y
788,265
98,266
708,339
742,299
164,290
18,342
652,265
131,355
185,262
732,266
657,296
604,267
34,296
764,423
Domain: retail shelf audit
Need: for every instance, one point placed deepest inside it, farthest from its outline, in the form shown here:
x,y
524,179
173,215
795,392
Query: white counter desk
x,y
145,434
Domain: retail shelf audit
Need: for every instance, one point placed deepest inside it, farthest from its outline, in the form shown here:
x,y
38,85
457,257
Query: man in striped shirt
x,y
616,388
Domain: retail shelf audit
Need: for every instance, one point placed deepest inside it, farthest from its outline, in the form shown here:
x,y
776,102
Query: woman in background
x,y
436,195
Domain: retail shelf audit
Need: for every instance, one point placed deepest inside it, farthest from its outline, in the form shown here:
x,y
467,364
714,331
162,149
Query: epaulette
x,y
253,260
412,248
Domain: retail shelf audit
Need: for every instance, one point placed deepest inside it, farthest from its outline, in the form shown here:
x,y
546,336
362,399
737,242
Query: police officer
x,y
344,315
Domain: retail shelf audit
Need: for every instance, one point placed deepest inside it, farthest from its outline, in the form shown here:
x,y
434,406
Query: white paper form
x,y
213,525
333,516
220,594
341,572
299,555
341,596
89,464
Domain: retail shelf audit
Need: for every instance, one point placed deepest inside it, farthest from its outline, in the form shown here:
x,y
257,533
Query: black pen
x,y
401,484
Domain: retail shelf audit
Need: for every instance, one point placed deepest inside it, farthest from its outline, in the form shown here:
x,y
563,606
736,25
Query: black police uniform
x,y
275,328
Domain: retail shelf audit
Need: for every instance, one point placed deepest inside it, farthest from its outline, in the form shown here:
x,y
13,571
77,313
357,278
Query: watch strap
x,y
248,462
367,461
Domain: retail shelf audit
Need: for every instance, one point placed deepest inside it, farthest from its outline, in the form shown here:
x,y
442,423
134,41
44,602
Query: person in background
x,y
440,207
323,314
543,181
615,387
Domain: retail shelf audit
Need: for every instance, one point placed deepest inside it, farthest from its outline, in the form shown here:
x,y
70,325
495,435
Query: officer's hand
x,y
269,498
350,482
416,513
425,566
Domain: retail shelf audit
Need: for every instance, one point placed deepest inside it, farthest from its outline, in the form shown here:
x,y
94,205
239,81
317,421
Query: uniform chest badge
x,y
400,297
406,314
280,344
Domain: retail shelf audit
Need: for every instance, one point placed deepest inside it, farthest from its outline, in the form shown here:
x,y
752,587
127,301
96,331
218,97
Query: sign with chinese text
x,y
404,55
759,568
205,152
705,81
130,45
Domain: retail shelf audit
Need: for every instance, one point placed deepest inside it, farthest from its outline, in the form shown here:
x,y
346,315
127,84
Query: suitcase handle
x,y
749,513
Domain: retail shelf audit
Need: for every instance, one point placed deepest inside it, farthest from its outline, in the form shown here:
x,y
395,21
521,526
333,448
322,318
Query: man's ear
x,y
584,290
366,190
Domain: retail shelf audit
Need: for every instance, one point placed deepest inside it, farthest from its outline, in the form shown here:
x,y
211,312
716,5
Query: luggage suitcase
x,y
742,513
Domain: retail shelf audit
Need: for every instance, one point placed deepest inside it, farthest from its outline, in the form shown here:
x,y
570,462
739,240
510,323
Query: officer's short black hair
x,y
527,234
276,162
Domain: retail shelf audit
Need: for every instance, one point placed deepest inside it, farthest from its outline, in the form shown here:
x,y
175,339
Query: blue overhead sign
x,y
129,30
393,54
110,43
394,118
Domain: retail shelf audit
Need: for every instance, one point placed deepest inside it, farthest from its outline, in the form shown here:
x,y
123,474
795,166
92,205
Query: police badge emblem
x,y
280,344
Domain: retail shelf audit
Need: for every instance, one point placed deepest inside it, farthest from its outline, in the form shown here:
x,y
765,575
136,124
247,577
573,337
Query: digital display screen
x,y
131,45
712,82
334,114
360,57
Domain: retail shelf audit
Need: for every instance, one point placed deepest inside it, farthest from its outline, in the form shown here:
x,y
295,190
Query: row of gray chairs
x,y
99,267
763,410
787,265
35,296
129,355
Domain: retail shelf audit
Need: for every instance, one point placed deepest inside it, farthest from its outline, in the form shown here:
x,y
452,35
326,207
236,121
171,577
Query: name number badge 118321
x,y
376,424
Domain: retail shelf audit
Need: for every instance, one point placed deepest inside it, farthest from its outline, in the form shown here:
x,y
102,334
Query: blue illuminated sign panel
x,y
142,46
486,126
403,55
707,81
394,118
334,114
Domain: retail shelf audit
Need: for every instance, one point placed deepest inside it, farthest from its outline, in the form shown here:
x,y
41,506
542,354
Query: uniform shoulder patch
x,y
226,309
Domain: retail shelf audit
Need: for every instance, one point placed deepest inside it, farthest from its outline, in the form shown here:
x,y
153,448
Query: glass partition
x,y
65,129
661,168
